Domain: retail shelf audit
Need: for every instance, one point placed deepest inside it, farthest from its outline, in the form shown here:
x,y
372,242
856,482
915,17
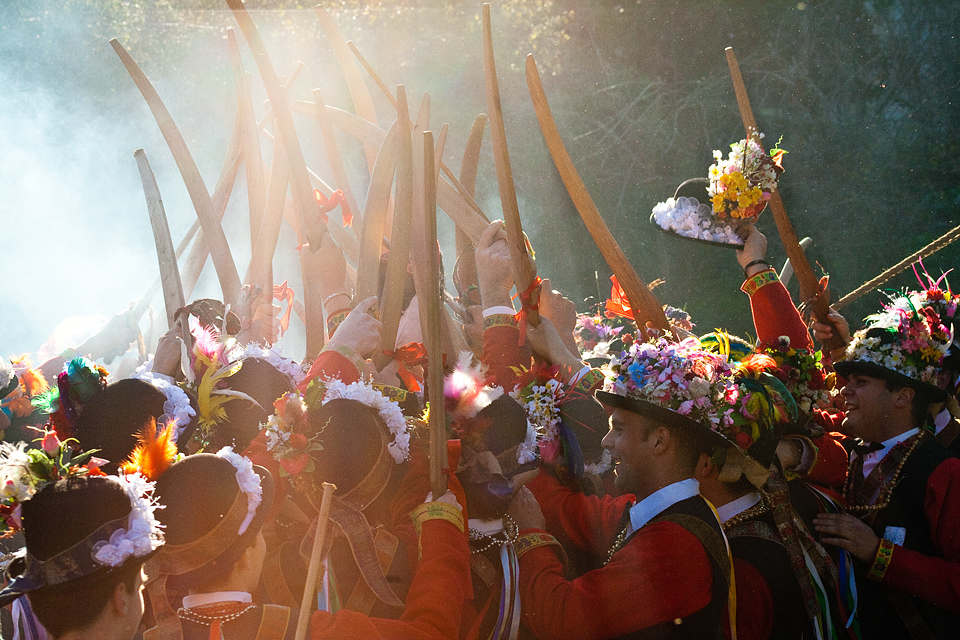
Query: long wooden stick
x,y
946,239
462,210
362,101
340,176
209,222
644,305
431,306
313,569
524,268
256,196
375,216
391,306
809,283
464,193
169,271
466,259
303,199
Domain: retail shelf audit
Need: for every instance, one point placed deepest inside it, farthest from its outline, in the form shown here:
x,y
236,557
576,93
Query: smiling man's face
x,y
868,405
629,442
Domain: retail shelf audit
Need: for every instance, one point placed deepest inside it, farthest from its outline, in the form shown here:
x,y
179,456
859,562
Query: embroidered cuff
x,y
396,394
334,320
882,561
587,381
529,541
436,511
500,320
347,352
755,282
502,309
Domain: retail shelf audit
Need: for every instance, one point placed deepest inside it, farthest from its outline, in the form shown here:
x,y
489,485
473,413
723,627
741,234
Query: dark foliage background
x,y
864,94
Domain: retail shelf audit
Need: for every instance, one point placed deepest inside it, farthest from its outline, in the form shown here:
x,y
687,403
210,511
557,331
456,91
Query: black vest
x,y
756,542
708,622
878,617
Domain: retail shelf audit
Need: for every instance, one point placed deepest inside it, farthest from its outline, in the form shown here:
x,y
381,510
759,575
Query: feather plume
x,y
154,453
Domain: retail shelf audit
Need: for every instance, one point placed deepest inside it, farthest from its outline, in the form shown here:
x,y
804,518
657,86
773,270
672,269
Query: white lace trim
x,y
6,373
249,483
177,406
144,533
388,409
527,451
290,368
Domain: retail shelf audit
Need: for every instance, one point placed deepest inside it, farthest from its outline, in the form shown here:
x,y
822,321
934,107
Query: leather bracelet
x,y
882,560
753,264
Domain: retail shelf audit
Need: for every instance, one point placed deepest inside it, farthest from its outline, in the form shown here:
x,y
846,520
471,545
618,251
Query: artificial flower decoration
x,y
540,393
24,471
286,434
802,373
741,185
908,337
680,377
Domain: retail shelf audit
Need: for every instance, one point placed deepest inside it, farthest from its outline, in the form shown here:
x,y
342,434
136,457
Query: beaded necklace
x,y
748,514
214,614
886,486
510,535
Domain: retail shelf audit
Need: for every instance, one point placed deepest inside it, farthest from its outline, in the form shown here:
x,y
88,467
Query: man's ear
x,y
120,602
660,438
904,397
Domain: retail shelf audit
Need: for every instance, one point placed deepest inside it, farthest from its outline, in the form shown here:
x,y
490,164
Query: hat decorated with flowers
x,y
905,343
675,383
76,520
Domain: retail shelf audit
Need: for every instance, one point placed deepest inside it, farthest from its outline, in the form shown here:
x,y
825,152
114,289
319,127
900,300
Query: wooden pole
x,y
466,259
809,284
941,242
169,270
431,306
313,570
303,199
375,217
643,304
391,306
524,268
256,196
212,231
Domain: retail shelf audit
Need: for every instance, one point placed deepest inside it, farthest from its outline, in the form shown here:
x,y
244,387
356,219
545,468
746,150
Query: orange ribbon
x,y
618,305
526,307
412,354
326,205
281,292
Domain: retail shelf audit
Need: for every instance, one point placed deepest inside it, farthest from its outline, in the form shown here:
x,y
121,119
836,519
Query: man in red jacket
x,y
664,566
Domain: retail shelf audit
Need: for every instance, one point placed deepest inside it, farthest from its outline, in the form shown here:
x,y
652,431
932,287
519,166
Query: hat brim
x,y
664,416
846,368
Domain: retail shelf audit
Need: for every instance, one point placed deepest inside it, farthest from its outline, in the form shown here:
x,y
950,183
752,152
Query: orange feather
x,y
154,453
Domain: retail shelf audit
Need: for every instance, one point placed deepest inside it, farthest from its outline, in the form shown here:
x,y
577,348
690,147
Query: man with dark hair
x,y
665,571
87,537
903,520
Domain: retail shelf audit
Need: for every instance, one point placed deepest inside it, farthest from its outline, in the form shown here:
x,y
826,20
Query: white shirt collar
x,y
200,599
642,512
737,506
873,458
942,420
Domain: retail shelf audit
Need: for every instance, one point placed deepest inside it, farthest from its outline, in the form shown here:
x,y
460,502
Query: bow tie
x,y
864,448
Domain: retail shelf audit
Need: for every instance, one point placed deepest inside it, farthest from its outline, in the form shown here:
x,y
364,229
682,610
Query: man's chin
x,y
624,481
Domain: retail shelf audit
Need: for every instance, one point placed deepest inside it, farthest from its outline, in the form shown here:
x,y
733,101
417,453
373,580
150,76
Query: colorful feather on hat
x,y
154,453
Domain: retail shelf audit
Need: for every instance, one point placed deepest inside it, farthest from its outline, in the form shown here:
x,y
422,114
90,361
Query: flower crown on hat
x,y
540,394
24,472
680,377
908,337
802,372
248,481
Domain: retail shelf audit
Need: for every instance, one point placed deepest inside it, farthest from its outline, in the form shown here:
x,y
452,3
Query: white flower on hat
x,y
143,533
